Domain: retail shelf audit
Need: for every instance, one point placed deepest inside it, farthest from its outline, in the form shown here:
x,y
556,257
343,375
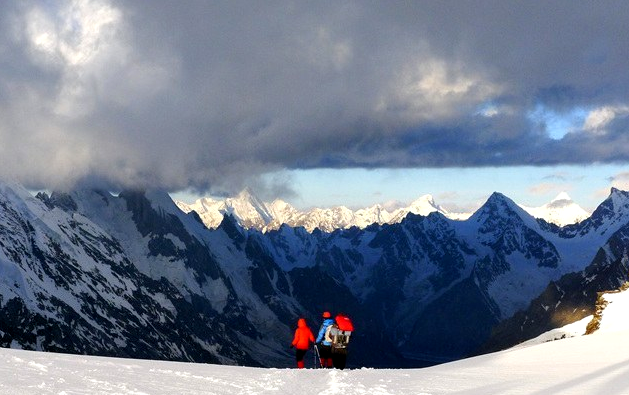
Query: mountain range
x,y
251,212
132,275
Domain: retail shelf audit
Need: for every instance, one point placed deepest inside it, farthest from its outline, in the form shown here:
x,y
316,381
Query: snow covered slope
x,y
610,315
576,364
595,364
611,311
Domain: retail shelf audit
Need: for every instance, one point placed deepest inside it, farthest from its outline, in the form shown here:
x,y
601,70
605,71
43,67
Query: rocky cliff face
x,y
72,286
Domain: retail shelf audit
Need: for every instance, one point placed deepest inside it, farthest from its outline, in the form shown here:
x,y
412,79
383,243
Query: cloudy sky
x,y
315,101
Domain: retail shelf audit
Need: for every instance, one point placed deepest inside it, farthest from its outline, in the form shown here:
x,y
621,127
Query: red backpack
x,y
339,333
344,323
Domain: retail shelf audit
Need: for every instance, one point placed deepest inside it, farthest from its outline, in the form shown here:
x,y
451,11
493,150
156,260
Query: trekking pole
x,y
316,355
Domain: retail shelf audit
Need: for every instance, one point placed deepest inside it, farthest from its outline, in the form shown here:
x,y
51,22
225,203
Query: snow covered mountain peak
x,y
425,205
248,210
561,211
500,214
246,196
562,197
611,211
619,200
497,205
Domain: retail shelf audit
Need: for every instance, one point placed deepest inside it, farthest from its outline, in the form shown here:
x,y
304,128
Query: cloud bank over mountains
x,y
210,95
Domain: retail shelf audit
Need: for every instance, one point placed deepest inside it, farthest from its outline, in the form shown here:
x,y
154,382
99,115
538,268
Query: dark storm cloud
x,y
210,94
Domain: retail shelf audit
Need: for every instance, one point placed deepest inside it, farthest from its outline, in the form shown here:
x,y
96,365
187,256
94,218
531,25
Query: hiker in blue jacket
x,y
324,346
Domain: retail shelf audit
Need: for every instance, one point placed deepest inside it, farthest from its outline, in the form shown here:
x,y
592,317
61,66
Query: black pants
x,y
339,357
325,352
299,354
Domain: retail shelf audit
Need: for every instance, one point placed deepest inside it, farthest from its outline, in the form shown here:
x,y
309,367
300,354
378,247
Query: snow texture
x,y
595,364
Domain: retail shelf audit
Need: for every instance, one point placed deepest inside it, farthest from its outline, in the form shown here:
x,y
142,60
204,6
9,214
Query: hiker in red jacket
x,y
301,341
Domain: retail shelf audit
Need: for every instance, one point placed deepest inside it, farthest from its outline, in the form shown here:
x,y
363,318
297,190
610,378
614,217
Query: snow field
x,y
595,364
616,313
